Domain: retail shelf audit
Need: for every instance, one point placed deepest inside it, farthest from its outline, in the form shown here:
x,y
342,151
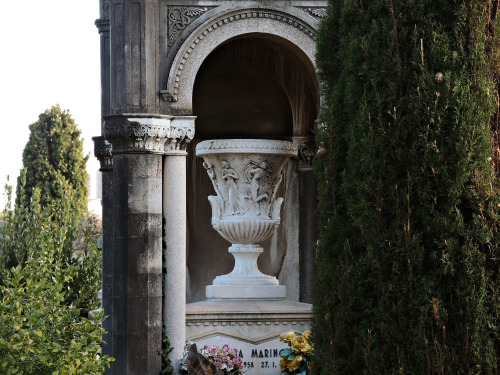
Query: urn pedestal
x,y
246,175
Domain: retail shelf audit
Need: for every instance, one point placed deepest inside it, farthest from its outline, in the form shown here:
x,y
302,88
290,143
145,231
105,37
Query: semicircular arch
x,y
290,30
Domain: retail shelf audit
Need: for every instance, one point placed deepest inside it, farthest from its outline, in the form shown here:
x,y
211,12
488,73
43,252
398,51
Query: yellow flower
x,y
283,364
294,365
300,345
287,336
306,334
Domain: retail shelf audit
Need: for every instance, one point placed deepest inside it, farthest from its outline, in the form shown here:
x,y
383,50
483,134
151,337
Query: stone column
x,y
307,209
138,143
102,151
174,211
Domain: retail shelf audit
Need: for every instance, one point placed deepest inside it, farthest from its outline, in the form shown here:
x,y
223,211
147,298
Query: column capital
x,y
149,133
182,132
102,151
102,24
137,132
306,152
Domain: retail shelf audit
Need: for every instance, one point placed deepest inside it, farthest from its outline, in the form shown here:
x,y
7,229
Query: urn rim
x,y
246,146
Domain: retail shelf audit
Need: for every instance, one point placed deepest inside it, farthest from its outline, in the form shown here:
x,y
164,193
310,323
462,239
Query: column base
x,y
247,292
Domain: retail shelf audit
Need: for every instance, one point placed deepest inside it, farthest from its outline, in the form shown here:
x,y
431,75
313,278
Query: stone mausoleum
x,y
240,75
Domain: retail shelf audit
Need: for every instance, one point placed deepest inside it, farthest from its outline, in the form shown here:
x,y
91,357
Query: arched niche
x,y
293,29
251,86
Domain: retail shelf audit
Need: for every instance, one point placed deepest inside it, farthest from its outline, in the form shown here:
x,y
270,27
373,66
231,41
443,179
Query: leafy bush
x,y
75,239
42,330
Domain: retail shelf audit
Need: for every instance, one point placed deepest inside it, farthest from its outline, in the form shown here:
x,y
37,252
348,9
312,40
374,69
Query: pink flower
x,y
238,362
225,348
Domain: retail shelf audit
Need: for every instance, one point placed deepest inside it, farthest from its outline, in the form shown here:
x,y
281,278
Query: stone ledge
x,y
250,321
244,310
251,292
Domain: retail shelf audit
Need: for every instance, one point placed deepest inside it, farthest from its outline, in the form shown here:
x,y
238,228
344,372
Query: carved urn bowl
x,y
246,175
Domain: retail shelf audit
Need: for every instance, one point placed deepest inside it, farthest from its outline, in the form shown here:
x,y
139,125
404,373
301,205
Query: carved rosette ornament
x,y
102,151
246,175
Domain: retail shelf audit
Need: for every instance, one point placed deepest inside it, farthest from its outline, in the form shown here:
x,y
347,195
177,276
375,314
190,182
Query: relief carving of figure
x,y
257,175
211,174
234,201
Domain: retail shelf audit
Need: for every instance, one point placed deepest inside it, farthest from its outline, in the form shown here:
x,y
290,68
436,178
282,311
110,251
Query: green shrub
x,y
42,330
73,236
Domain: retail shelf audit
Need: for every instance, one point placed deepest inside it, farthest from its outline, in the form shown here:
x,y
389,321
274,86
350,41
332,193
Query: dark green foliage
x,y
54,151
166,364
409,254
41,328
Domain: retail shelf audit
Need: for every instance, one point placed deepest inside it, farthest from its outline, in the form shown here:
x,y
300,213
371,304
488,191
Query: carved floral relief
x,y
179,18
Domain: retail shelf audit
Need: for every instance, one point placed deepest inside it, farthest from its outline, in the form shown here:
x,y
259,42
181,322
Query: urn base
x,y
255,292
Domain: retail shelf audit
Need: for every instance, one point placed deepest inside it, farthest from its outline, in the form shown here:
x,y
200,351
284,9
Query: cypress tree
x,y
54,151
408,258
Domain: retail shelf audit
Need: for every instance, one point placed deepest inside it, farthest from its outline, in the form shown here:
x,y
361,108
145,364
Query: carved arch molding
x,y
194,32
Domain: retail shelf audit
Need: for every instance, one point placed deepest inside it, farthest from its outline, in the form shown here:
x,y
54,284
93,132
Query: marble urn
x,y
246,175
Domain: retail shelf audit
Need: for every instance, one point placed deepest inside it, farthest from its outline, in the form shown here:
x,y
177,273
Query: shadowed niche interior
x,y
246,88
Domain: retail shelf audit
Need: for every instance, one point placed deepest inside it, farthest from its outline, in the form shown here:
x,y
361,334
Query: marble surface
x,y
252,327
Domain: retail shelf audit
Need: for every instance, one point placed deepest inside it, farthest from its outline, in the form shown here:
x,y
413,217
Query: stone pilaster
x,y
133,56
175,213
137,141
103,26
102,151
307,209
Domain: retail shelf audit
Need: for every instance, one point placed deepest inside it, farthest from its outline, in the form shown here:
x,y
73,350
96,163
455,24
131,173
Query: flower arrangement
x,y
295,358
225,359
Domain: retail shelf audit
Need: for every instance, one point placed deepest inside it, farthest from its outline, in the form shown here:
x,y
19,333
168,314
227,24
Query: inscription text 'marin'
x,y
266,353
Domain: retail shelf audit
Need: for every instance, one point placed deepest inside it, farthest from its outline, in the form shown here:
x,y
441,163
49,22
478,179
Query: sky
x,y
49,55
